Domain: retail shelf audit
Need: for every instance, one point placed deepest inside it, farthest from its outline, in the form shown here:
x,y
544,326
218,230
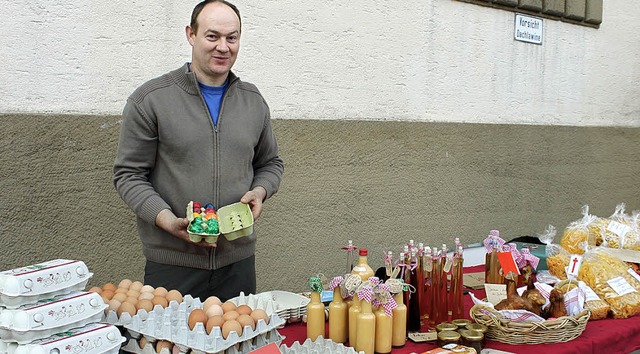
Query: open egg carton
x,y
111,317
94,338
288,306
171,324
319,346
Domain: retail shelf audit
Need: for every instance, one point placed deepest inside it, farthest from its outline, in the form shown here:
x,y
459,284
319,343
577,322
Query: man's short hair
x,y
198,9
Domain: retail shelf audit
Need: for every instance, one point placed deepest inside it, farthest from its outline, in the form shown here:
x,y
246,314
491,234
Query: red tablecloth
x,y
604,336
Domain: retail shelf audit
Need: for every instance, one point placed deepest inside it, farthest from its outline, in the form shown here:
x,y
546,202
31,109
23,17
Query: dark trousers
x,y
225,283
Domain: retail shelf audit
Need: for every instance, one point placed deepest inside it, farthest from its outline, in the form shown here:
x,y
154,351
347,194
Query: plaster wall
x,y
434,60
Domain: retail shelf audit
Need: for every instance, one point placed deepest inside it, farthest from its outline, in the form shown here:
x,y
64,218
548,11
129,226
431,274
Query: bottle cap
x,y
363,252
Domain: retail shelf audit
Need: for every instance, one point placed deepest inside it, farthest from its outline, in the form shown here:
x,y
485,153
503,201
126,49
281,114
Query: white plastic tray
x,y
285,304
30,284
94,338
319,346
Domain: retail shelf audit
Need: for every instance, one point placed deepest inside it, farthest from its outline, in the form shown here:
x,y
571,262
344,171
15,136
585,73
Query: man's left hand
x,y
255,198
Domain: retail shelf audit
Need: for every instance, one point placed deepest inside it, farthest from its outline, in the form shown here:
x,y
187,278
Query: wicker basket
x,y
503,330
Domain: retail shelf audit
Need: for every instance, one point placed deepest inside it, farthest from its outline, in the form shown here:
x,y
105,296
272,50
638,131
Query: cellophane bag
x,y
557,256
601,271
632,237
577,232
612,231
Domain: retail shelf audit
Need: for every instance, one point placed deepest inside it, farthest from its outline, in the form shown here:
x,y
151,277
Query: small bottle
x,y
399,327
445,309
338,314
434,303
413,308
366,322
492,265
426,279
354,310
315,311
362,268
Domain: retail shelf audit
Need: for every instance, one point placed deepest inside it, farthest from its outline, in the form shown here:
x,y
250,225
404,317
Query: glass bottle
x,y
399,317
315,311
413,308
362,268
457,299
354,310
492,265
366,323
384,323
434,313
426,279
338,317
445,309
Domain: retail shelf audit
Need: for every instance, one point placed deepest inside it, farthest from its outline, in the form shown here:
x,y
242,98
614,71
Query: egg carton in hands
x,y
171,324
111,317
30,284
319,346
48,317
285,304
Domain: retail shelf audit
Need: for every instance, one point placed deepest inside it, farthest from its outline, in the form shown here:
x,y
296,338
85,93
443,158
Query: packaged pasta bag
x,y
557,257
610,279
632,237
578,232
612,231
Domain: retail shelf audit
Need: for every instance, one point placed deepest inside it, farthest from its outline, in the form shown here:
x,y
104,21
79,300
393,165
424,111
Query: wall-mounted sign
x,y
528,29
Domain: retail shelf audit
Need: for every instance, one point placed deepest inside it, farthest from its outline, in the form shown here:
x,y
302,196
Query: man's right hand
x,y
177,227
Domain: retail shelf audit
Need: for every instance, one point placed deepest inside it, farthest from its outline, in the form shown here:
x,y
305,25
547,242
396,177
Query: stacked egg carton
x,y
43,310
288,306
319,346
171,324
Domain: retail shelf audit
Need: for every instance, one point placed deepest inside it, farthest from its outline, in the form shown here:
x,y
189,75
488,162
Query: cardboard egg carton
x,y
48,317
30,284
111,316
171,324
286,305
319,346
94,338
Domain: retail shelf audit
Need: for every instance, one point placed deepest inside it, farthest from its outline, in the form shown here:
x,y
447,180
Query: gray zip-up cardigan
x,y
170,153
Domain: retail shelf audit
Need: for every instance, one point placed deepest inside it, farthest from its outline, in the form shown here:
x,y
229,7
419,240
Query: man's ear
x,y
190,34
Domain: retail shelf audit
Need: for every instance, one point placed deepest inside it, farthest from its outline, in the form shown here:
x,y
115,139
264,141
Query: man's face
x,y
215,45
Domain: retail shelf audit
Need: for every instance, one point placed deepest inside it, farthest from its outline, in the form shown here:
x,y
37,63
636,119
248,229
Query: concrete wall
x,y
434,60
379,184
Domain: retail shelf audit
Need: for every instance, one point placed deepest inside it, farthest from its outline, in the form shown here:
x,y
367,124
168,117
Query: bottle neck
x,y
399,298
366,306
315,297
356,300
337,295
363,260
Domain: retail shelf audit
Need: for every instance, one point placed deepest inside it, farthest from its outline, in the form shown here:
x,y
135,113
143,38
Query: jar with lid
x,y
480,328
461,323
445,326
472,339
448,337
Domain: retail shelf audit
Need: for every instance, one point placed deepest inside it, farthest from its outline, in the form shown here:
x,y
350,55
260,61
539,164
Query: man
x,y
198,133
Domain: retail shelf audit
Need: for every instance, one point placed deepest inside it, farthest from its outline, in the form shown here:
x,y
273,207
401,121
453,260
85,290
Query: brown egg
x,y
161,344
147,289
127,307
132,300
228,306
197,315
213,321
142,342
160,300
133,293
121,290
214,310
211,300
230,315
260,314
244,310
125,283
146,296
231,326
109,286
136,285
246,320
95,289
107,294
160,291
119,296
114,305
145,304
174,295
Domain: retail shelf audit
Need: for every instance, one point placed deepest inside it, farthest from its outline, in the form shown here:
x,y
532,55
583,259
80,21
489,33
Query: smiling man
x,y
198,133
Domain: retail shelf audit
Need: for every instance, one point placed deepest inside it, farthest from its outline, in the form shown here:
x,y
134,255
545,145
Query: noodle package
x,y
557,257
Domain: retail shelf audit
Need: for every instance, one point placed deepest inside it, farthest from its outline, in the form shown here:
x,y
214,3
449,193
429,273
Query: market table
x,y
609,335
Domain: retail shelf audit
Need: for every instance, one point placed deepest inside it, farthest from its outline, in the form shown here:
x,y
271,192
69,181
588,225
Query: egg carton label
x,y
93,338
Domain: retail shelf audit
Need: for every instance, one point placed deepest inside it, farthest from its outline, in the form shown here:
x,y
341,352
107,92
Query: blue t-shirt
x,y
213,97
